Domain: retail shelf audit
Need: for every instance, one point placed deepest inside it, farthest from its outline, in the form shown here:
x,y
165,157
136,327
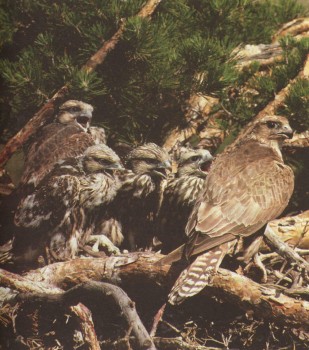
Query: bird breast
x,y
98,189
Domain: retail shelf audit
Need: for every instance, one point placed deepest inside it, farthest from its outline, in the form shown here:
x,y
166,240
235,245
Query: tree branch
x,y
250,296
47,110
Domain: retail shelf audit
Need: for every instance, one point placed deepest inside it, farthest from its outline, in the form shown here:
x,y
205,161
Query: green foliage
x,y
261,88
296,105
144,83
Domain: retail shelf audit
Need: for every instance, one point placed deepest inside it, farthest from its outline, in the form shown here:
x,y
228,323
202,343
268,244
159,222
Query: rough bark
x,y
47,110
262,301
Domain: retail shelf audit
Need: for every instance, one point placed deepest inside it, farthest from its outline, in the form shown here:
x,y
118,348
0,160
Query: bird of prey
x,y
138,198
68,136
179,196
247,186
61,206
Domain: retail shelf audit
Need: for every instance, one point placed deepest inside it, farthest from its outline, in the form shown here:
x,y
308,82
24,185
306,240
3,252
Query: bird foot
x,y
101,241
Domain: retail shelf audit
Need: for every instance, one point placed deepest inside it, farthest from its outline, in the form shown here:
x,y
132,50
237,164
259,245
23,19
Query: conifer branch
x,y
47,110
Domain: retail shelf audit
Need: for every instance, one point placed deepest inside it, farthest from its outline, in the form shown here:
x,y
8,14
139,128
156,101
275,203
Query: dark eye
x,y
151,161
272,125
104,161
74,109
195,158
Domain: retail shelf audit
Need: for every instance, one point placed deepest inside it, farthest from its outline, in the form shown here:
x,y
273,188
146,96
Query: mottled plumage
x,y
179,196
61,207
247,186
138,198
68,136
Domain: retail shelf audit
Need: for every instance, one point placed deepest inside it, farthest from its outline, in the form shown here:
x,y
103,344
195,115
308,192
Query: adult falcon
x,y
247,186
138,199
68,136
61,207
180,195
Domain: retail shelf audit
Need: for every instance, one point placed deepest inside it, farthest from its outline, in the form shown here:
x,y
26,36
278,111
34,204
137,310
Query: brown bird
x,y
179,196
68,136
247,186
137,201
61,207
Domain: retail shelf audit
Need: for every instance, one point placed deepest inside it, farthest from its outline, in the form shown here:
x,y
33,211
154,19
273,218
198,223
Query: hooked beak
x,y
115,166
286,133
163,168
205,162
84,121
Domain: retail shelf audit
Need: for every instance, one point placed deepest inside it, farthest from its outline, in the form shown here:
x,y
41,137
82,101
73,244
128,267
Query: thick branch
x,y
47,110
250,296
24,285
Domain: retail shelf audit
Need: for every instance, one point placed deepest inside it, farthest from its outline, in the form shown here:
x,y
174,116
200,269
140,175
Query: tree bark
x,y
262,301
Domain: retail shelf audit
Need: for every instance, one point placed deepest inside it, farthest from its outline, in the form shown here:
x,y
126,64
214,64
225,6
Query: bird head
x,y
193,162
272,129
101,158
149,159
75,112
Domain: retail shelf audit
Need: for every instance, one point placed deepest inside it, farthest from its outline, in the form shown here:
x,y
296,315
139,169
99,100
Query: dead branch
x,y
294,28
24,285
87,326
229,286
47,110
267,55
197,116
108,296
283,249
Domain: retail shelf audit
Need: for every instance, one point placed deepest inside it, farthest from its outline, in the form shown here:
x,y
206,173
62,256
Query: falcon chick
x,y
68,136
180,195
60,209
247,186
138,198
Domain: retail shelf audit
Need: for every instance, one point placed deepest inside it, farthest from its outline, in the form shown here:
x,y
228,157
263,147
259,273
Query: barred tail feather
x,y
197,276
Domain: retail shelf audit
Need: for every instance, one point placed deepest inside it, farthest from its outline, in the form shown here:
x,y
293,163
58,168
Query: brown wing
x,y
56,142
245,188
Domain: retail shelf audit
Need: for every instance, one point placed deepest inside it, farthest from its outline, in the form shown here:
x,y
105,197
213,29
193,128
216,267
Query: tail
x,y
198,275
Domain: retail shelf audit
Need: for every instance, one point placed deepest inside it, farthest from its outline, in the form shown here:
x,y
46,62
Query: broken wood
x,y
250,296
87,326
